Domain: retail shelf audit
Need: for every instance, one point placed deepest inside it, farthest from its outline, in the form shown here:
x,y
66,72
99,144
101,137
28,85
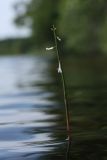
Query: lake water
x,y
32,115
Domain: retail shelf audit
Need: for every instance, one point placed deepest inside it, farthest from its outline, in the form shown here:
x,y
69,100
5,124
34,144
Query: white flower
x,y
59,39
59,68
50,48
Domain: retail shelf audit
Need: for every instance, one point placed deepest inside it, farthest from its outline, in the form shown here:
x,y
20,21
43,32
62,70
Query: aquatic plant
x,y
60,71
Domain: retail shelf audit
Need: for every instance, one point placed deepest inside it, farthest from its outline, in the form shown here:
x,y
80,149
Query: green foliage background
x,y
82,24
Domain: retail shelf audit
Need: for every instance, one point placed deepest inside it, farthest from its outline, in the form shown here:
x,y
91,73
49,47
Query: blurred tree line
x,y
15,45
82,24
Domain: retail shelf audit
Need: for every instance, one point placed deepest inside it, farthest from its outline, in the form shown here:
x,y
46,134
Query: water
x,y
32,115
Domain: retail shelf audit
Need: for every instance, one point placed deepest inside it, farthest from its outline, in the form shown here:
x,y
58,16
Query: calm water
x,y
32,115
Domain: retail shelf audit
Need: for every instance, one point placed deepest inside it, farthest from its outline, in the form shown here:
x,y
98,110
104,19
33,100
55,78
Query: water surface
x,y
32,115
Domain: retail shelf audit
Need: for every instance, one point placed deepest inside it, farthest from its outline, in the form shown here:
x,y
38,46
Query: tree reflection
x,y
86,81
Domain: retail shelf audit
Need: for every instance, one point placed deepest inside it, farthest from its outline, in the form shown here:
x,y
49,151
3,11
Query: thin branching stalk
x,y
60,70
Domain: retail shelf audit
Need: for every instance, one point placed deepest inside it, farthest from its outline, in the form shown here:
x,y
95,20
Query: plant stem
x,y
63,84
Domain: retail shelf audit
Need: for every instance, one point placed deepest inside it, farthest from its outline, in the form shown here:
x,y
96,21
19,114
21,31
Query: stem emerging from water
x,y
63,83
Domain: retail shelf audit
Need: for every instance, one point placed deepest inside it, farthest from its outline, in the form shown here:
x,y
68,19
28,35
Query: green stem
x,y
63,83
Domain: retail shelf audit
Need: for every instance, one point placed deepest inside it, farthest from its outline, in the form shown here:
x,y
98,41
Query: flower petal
x,y
59,68
59,39
49,48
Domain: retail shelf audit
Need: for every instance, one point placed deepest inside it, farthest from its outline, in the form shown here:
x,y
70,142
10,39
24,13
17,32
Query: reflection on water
x,y
32,116
25,125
